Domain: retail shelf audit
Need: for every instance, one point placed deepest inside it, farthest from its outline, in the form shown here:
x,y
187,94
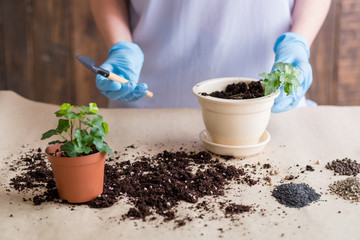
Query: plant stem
x,y
64,138
71,129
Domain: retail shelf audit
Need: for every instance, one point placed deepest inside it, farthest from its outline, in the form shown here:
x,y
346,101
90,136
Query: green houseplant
x,y
78,158
285,75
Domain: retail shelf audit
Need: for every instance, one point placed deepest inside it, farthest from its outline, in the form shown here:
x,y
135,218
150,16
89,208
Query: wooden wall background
x,y
39,40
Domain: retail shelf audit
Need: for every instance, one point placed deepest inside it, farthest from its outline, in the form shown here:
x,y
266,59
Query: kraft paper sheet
x,y
301,136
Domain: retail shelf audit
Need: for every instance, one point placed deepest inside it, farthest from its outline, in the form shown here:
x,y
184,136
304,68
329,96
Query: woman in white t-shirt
x,y
173,44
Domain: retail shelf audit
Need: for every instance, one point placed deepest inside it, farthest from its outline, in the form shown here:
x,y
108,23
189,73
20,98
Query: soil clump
x,y
236,209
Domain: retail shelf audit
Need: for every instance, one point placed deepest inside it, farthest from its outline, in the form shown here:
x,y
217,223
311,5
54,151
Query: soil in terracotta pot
x,y
60,153
240,90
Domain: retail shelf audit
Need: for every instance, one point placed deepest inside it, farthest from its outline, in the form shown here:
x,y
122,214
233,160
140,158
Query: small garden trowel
x,y
90,64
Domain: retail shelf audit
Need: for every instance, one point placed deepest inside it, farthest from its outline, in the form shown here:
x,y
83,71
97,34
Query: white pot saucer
x,y
237,151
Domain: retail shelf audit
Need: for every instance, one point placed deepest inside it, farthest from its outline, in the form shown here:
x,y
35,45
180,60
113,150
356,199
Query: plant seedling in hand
x,y
80,134
286,74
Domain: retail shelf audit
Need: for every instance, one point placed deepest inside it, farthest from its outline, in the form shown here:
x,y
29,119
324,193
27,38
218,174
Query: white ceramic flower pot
x,y
233,122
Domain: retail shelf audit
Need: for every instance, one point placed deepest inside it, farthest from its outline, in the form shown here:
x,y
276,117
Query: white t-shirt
x,y
188,41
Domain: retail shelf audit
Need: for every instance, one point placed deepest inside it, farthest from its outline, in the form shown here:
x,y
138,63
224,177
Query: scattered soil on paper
x,y
156,185
36,174
153,185
239,90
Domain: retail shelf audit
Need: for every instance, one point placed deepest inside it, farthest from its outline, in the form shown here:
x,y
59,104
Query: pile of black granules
x,y
295,195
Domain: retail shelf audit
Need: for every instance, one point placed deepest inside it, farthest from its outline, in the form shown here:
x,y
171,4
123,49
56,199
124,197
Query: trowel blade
x,y
88,62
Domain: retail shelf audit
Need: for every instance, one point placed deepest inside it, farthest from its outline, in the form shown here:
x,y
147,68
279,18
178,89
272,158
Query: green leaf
x,y
80,148
82,142
265,75
97,120
287,70
98,143
93,108
71,115
107,149
287,88
49,133
286,74
273,76
106,127
271,86
87,123
69,148
78,133
280,66
282,79
103,147
66,110
88,140
56,141
63,125
98,132
60,113
296,83
65,106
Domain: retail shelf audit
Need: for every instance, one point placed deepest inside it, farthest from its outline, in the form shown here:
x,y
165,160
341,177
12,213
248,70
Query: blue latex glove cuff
x,y
124,59
293,48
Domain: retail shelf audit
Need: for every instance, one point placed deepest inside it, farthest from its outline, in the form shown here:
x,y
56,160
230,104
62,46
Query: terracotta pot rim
x,y
65,161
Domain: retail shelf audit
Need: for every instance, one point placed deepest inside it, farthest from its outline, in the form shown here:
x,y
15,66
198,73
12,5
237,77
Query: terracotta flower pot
x,y
233,122
78,179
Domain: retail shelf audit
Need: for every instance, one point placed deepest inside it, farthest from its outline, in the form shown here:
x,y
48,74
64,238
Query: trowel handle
x,y
117,78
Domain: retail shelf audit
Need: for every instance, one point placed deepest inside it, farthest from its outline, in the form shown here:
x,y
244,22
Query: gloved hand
x,y
125,59
293,48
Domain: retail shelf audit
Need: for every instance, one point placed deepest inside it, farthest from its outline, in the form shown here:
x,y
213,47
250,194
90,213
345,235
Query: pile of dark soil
x,y
240,90
154,185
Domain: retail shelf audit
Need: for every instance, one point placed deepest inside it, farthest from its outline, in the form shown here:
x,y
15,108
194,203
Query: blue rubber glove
x,y
293,48
126,60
